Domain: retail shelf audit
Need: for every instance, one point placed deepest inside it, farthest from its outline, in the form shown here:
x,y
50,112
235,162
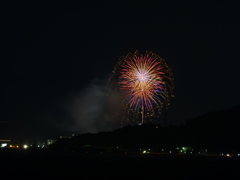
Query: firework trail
x,y
146,82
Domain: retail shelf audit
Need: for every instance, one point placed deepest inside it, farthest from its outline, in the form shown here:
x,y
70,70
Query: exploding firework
x,y
145,81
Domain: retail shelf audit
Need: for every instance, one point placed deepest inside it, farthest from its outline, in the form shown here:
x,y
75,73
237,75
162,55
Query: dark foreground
x,y
100,166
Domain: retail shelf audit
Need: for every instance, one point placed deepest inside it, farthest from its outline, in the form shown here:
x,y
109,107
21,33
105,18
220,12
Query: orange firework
x,y
146,81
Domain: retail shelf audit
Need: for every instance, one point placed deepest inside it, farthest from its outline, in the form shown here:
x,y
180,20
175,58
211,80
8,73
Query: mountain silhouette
x,y
216,131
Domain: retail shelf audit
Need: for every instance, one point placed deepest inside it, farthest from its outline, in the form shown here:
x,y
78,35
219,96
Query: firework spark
x,y
146,81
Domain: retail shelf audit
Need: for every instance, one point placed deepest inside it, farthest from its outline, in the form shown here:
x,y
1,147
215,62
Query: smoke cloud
x,y
92,110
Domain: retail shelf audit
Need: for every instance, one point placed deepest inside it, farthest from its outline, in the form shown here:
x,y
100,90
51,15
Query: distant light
x,y
170,151
17,146
3,145
149,149
144,152
25,146
228,155
10,146
190,152
162,149
180,150
238,154
156,126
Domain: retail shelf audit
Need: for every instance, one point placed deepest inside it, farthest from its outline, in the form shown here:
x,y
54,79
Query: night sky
x,y
56,59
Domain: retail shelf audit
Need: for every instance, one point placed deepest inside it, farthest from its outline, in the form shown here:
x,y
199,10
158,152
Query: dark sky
x,y
56,58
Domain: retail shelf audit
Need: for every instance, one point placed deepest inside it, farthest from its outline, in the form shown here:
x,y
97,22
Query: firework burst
x,y
146,82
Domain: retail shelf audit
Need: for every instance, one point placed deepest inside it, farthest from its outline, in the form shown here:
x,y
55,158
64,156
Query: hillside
x,y
216,131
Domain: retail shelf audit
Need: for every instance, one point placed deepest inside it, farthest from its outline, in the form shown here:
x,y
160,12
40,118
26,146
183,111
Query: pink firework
x,y
146,81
